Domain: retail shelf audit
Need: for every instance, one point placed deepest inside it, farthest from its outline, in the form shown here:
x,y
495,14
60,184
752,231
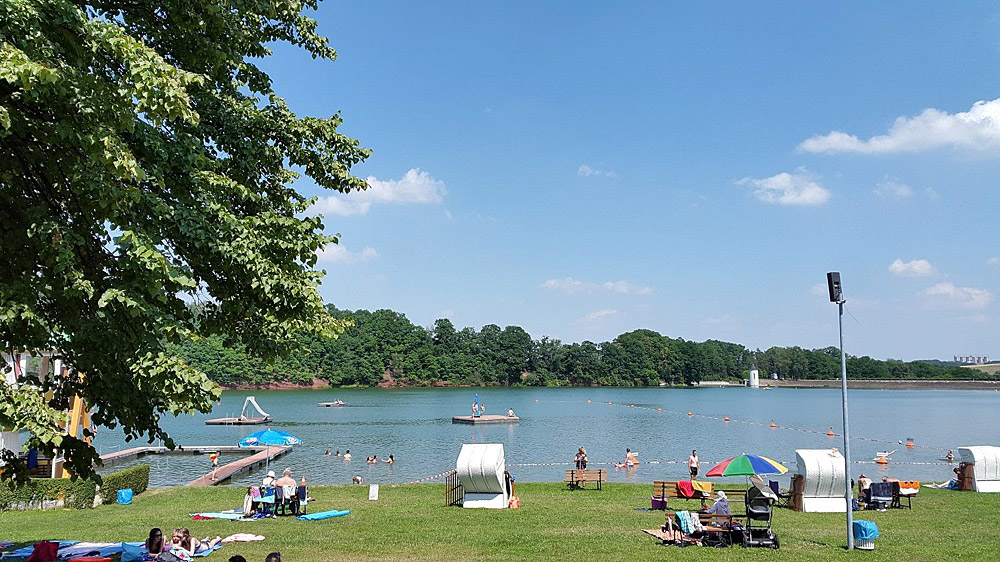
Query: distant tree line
x,y
385,346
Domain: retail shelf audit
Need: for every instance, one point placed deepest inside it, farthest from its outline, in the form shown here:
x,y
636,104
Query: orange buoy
x,y
882,460
830,433
909,444
773,425
659,409
690,414
725,418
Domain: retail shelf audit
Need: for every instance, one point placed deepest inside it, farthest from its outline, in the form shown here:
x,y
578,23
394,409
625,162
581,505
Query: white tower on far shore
x,y
754,381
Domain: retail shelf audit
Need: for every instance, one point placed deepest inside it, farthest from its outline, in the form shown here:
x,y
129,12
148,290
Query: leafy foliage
x,y
146,162
33,493
385,345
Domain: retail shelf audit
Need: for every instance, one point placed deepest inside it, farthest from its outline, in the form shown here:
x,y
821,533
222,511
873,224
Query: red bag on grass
x,y
45,551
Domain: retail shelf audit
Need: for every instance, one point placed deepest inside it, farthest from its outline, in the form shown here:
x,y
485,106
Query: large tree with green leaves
x,y
146,162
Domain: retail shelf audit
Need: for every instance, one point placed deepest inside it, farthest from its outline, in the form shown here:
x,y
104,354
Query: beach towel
x,y
231,515
243,537
702,486
90,549
684,489
207,551
684,522
322,515
26,551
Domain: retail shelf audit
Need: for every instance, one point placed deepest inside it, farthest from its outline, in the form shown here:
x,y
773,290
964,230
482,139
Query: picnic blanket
x,y
26,551
323,515
232,515
243,537
90,549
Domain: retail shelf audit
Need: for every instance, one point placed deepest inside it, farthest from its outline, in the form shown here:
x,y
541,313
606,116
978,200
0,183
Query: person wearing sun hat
x,y
721,505
268,480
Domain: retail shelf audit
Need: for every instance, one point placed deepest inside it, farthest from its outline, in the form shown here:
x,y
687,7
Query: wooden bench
x,y
714,524
667,489
577,477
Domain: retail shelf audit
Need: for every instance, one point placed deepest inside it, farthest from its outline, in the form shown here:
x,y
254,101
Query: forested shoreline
x,y
384,347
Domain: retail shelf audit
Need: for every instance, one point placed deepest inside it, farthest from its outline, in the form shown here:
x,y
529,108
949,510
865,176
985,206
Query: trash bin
x,y
865,533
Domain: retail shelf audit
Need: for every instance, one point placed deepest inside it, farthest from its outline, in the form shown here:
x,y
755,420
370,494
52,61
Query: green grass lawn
x,y
410,522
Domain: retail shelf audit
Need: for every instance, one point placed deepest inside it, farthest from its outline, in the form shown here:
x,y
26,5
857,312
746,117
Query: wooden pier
x,y
259,455
263,456
118,456
478,420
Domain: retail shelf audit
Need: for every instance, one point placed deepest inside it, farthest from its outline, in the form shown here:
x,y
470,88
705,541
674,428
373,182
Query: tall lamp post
x,y
837,296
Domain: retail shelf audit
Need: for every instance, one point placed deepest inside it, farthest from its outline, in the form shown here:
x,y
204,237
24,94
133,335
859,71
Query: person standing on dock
x,y
214,457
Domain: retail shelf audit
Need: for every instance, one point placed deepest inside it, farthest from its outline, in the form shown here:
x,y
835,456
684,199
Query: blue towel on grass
x,y
323,515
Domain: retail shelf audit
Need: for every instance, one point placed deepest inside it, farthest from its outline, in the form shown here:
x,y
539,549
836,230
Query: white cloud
x,y
995,260
598,314
893,189
587,171
820,290
798,188
573,286
335,253
912,268
976,129
948,295
416,186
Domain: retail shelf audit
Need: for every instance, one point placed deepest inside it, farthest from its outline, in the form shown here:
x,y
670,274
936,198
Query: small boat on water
x,y
258,415
330,404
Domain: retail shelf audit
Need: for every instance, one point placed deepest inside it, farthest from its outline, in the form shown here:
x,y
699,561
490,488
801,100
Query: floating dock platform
x,y
238,421
478,420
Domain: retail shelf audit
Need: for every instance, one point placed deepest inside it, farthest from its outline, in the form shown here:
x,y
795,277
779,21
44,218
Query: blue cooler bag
x,y
125,496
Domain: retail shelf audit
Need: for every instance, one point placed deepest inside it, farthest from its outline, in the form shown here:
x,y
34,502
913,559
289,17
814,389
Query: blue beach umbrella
x,y
269,437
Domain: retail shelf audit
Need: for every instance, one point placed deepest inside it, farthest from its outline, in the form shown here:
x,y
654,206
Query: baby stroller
x,y
758,528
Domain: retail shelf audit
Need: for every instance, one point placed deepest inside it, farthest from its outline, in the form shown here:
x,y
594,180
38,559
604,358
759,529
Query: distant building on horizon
x,y
972,359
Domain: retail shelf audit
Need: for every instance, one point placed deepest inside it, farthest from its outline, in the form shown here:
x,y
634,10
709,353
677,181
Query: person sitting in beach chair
x,y
288,497
302,495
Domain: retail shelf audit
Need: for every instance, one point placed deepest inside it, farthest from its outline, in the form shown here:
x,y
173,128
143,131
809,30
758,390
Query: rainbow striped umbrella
x,y
747,465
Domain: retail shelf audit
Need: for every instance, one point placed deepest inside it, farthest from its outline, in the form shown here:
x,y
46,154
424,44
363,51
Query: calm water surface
x,y
415,426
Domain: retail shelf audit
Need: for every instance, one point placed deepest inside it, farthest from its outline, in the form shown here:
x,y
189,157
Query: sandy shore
x,y
890,384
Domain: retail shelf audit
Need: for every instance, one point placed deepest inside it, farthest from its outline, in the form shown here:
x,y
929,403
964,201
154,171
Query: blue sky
x,y
584,169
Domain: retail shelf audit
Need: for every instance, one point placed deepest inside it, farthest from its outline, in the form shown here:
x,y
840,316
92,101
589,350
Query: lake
x,y
415,426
